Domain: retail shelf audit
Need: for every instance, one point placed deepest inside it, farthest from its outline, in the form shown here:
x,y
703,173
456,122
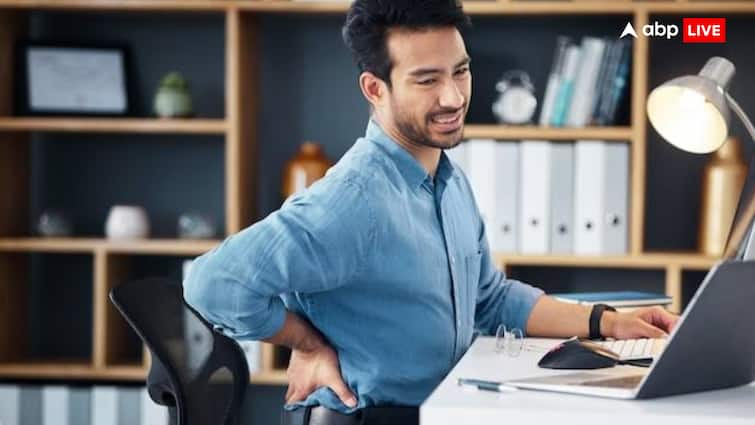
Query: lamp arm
x,y
741,114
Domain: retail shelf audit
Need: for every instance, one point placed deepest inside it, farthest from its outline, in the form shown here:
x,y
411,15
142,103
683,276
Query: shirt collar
x,y
408,166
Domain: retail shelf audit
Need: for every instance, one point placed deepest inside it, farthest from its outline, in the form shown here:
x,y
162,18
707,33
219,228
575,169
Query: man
x,y
378,275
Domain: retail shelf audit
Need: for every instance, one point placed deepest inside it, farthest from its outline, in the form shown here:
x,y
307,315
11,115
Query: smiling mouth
x,y
447,123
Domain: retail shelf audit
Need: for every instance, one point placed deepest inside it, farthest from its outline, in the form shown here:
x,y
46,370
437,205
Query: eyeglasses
x,y
511,342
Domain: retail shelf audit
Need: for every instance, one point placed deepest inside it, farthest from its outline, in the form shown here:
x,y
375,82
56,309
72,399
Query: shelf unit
x,y
492,131
114,125
238,128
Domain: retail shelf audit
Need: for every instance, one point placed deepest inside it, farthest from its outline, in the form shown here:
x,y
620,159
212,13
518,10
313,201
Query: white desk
x,y
451,404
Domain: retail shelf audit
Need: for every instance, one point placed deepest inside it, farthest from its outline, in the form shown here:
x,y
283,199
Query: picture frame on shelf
x,y
72,79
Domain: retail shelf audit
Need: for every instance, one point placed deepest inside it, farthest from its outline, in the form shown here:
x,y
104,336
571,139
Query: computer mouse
x,y
576,354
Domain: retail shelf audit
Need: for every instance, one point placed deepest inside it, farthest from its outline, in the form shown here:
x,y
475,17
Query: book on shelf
x,y
587,82
618,299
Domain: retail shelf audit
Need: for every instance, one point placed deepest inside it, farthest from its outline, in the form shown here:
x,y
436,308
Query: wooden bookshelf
x,y
115,125
91,245
85,371
689,261
276,377
510,132
472,7
239,131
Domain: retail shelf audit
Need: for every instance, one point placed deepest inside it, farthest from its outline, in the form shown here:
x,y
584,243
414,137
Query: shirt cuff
x,y
275,316
521,298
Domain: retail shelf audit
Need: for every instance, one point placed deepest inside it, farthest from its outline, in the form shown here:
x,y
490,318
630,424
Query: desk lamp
x,y
692,113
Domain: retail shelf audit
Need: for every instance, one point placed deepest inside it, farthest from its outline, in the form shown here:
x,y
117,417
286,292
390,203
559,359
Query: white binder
x,y
129,404
79,402
55,402
252,353
562,198
151,412
534,218
616,196
104,405
10,405
482,168
505,227
589,189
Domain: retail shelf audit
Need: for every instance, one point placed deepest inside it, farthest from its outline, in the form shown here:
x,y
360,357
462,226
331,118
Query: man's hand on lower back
x,y
310,370
313,364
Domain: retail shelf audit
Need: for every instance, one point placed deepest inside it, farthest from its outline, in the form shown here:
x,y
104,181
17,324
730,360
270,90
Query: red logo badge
x,y
704,30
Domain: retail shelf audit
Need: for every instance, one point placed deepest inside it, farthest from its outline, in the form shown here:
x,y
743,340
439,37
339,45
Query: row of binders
x,y
541,197
587,82
64,405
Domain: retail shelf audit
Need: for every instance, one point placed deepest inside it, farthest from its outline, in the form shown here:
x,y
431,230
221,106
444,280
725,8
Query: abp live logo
x,y
694,30
704,30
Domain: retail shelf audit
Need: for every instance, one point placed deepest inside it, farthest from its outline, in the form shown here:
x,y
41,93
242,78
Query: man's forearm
x,y
297,334
553,318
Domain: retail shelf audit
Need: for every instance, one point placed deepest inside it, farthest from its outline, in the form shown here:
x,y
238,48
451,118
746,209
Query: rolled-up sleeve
x,y
317,241
501,300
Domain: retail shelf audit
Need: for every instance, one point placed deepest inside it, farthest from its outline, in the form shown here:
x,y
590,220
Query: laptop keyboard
x,y
634,349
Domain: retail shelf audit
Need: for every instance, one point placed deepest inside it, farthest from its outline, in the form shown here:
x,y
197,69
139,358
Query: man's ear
x,y
373,88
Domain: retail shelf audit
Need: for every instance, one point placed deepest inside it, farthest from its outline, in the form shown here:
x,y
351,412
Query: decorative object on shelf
x,y
309,165
516,101
54,224
723,178
193,225
59,79
173,99
127,222
692,113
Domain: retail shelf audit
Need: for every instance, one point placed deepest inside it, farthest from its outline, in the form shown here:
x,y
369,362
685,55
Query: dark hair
x,y
368,21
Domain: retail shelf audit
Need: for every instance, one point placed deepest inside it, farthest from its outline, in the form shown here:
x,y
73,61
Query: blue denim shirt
x,y
391,265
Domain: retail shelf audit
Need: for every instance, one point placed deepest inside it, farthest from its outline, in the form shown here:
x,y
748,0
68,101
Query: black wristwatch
x,y
595,316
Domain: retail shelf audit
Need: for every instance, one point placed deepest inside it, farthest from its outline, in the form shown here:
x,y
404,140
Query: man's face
x,y
431,86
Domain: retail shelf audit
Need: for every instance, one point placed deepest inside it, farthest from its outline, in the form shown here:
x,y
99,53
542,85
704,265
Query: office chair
x,y
199,374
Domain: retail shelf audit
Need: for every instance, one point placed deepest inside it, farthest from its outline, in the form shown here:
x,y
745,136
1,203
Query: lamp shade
x,y
691,112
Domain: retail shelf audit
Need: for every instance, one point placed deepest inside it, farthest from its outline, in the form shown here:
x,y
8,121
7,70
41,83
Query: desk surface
x,y
451,404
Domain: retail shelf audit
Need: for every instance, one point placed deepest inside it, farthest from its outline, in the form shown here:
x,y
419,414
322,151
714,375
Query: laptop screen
x,y
743,219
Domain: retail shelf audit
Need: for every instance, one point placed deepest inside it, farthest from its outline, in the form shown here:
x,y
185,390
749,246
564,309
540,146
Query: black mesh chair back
x,y
199,374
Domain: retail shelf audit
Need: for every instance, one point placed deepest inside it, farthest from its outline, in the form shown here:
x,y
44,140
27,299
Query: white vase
x,y
127,222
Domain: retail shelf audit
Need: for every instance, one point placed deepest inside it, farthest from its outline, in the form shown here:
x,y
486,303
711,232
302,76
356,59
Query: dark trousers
x,y
318,415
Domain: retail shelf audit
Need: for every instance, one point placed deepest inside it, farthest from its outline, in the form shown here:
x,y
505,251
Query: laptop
x,y
712,345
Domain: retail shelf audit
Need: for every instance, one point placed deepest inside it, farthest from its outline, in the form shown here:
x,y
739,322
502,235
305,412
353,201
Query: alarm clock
x,y
516,101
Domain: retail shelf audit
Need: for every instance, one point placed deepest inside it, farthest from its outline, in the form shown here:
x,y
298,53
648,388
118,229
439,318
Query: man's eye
x,y
461,71
427,82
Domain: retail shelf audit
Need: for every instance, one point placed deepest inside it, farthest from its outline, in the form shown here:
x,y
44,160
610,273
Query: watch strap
x,y
595,316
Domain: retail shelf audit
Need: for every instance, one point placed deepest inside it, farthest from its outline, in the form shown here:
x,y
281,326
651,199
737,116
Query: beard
x,y
419,132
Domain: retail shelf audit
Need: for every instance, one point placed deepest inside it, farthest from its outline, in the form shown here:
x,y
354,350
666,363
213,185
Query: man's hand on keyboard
x,y
648,322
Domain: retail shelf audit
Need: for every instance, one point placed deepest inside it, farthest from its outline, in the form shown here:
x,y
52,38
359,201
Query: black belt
x,y
318,415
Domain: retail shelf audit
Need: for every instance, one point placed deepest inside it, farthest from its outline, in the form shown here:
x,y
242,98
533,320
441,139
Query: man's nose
x,y
451,96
